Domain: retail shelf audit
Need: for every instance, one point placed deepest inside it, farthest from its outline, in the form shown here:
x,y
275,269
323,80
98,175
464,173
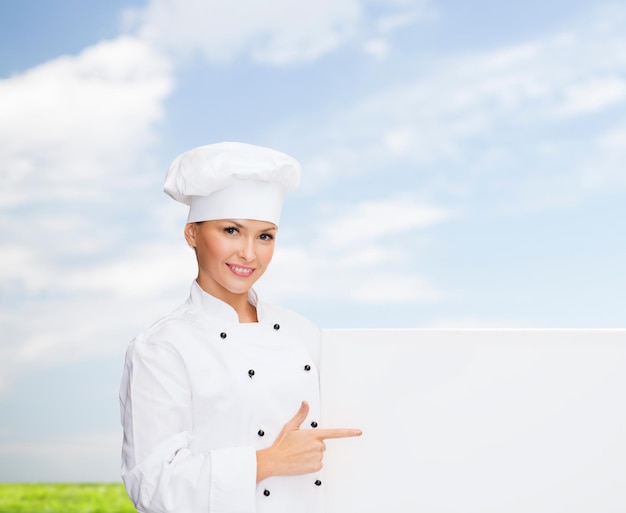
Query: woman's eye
x,y
230,230
266,236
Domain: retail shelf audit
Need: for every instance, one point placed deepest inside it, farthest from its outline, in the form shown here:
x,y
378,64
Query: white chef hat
x,y
232,180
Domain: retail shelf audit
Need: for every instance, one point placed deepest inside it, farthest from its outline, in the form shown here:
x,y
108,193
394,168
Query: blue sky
x,y
464,165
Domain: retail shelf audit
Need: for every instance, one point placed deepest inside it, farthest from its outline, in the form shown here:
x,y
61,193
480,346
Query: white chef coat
x,y
201,393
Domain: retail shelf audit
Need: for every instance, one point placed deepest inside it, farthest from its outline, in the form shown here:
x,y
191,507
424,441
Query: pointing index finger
x,y
324,434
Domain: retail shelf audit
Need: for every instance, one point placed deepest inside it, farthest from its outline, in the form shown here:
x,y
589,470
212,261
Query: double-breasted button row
x,y
267,493
223,334
252,372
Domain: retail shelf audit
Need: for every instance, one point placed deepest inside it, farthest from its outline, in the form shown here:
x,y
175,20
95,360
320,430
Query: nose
x,y
247,249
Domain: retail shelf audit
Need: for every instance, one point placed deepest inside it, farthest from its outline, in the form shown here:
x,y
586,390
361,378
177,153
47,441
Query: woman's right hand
x,y
297,451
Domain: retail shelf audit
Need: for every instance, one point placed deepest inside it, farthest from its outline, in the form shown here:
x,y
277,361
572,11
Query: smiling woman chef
x,y
220,399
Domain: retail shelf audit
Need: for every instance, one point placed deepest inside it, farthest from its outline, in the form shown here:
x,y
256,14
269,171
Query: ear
x,y
190,234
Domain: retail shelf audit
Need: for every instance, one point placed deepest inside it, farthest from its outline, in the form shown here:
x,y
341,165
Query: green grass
x,y
64,498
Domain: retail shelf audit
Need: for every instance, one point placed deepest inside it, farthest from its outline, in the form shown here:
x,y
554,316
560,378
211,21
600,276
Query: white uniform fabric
x,y
201,393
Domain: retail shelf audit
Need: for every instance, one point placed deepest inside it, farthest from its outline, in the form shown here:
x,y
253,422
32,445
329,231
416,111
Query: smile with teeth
x,y
241,271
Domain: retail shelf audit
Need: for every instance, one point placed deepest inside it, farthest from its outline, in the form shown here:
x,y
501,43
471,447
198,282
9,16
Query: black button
x,y
266,492
261,432
318,483
223,334
251,372
276,327
313,424
307,367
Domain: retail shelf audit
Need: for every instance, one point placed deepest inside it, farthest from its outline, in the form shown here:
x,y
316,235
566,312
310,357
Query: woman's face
x,y
232,254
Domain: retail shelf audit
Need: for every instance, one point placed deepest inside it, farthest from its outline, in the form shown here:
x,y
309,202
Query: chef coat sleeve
x,y
161,473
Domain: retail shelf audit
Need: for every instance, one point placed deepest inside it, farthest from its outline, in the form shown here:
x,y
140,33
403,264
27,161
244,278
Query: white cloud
x,y
78,327
399,140
398,14
613,140
378,48
362,275
362,253
72,309
274,32
403,19
370,220
73,135
593,96
394,287
75,124
145,272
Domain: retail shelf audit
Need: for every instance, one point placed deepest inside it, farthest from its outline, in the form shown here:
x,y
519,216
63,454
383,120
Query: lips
x,y
240,270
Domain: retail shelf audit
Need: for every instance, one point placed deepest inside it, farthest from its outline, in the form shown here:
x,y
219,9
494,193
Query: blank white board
x,y
469,421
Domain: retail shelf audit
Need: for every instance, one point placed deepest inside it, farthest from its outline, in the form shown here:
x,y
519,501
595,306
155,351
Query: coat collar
x,y
216,308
